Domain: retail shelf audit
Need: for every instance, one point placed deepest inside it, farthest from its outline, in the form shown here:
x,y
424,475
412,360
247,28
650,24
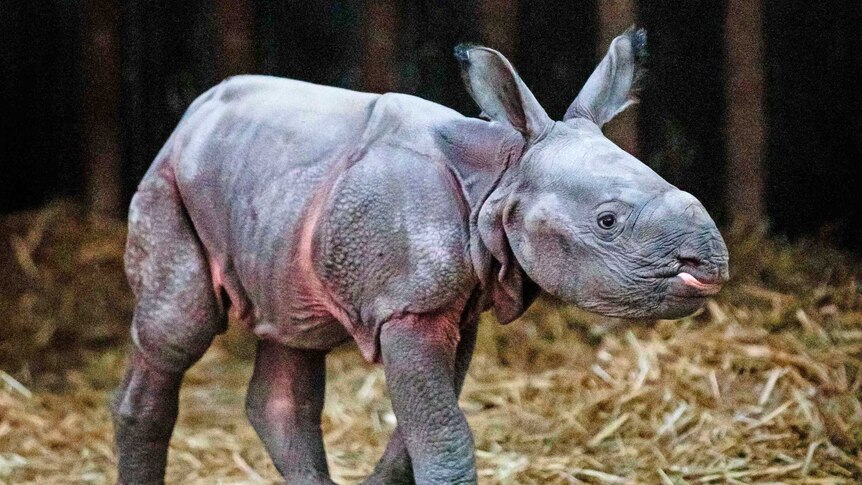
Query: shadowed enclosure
x,y
754,107
109,80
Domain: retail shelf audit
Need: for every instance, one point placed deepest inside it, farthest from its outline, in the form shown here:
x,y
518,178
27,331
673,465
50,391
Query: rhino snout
x,y
702,253
705,258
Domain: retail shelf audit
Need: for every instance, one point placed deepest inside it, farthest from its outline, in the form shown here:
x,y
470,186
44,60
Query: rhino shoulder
x,y
394,235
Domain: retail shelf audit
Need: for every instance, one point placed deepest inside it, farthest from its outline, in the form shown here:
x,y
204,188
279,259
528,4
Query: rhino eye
x,y
607,221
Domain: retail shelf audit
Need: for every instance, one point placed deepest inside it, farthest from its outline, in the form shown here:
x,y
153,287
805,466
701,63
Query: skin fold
x,y
319,215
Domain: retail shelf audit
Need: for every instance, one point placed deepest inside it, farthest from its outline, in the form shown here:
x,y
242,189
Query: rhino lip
x,y
704,288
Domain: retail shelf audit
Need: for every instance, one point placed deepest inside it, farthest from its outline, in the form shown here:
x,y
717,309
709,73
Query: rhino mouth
x,y
691,283
705,288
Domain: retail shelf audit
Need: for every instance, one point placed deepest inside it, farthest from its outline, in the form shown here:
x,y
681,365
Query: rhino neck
x,y
480,154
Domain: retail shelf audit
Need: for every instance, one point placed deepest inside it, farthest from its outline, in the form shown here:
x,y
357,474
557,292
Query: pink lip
x,y
706,288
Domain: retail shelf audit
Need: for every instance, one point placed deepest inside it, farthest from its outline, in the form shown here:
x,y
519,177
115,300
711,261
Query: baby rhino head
x,y
582,218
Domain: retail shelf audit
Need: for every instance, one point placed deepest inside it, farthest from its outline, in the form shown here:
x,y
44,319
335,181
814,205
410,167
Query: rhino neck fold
x,y
481,154
510,289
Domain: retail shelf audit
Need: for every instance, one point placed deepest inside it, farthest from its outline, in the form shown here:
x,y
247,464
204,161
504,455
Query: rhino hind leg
x,y
394,467
284,404
176,317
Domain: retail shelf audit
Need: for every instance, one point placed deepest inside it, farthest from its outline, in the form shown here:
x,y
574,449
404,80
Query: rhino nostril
x,y
696,211
690,262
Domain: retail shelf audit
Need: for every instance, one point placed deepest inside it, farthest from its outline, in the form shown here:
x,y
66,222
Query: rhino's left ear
x,y
499,91
612,87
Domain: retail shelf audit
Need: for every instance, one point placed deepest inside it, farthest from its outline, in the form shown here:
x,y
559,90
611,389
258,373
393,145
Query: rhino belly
x,y
321,333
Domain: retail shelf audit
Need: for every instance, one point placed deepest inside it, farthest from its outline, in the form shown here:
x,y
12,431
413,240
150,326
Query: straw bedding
x,y
762,386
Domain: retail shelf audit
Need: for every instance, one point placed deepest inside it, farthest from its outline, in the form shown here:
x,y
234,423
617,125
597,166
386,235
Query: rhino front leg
x,y
284,403
419,358
394,467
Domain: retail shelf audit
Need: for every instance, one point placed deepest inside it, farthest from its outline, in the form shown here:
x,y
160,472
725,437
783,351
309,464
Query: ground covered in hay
x,y
763,386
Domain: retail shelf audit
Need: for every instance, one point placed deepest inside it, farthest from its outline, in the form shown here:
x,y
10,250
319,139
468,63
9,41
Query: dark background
x,y
161,54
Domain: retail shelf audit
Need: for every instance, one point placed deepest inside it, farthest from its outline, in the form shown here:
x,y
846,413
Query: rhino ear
x,y
612,87
499,91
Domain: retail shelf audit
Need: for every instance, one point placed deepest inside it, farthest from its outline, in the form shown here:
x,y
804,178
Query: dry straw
x,y
761,387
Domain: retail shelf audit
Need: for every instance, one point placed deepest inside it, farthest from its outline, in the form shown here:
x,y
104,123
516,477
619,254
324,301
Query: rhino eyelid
x,y
619,207
611,202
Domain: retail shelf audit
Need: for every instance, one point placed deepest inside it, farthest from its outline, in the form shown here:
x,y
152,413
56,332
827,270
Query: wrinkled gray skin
x,y
319,215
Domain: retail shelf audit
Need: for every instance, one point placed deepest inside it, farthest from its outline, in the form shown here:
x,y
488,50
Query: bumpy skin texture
x,y
319,215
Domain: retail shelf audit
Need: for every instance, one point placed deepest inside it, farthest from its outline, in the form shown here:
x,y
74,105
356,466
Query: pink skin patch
x,y
705,288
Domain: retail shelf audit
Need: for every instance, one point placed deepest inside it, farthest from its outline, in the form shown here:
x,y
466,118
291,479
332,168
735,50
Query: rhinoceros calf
x,y
320,215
